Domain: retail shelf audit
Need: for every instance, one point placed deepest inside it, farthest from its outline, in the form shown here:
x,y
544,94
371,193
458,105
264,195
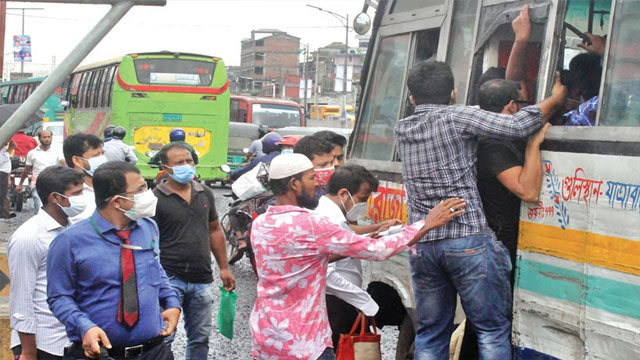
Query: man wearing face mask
x,y
320,153
84,153
189,232
37,334
292,245
345,202
106,283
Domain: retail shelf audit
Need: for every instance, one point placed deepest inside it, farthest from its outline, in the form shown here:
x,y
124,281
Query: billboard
x,y
22,48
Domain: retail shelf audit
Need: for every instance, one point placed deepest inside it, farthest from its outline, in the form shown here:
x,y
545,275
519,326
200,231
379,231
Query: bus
x,y
17,91
274,113
577,290
149,94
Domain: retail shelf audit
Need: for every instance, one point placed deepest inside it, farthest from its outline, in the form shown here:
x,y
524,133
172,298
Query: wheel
x,y
232,242
406,347
19,201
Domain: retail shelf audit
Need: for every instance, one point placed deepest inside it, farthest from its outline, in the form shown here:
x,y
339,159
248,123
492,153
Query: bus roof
x,y
266,100
24,81
118,59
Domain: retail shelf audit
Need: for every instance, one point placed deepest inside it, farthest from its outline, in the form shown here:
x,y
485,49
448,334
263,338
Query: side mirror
x,y
64,103
225,168
245,150
362,23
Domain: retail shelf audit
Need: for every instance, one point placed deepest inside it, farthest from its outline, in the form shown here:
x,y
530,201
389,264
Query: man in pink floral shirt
x,y
292,247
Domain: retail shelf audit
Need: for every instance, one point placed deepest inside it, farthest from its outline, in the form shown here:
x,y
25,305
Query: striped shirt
x,y
438,149
27,250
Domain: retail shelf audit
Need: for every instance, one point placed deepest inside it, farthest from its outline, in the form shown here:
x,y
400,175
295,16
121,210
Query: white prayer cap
x,y
285,165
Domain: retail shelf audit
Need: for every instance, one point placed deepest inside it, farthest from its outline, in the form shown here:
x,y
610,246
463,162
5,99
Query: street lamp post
x,y
23,10
344,20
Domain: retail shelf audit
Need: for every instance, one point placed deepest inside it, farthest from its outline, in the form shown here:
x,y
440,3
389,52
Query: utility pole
x,y
304,79
3,22
23,10
316,87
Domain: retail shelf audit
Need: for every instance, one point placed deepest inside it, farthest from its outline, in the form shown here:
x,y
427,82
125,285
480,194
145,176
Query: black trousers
x,y
158,352
341,318
4,200
41,355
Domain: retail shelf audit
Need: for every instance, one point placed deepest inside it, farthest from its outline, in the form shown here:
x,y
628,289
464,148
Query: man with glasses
x,y
106,284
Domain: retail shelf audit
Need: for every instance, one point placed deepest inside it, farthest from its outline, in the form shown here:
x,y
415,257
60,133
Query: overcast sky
x,y
211,27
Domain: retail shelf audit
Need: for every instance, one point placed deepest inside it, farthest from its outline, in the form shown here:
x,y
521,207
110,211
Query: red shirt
x,y
24,144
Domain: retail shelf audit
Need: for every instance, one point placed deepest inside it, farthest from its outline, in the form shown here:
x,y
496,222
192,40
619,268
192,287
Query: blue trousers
x,y
197,310
475,267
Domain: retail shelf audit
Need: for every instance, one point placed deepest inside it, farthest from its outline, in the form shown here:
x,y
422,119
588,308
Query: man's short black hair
x,y
351,177
77,145
331,137
311,145
110,180
281,186
162,155
431,82
56,178
585,71
42,131
495,94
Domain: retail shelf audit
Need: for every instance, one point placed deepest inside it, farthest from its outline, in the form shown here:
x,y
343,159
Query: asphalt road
x,y
219,346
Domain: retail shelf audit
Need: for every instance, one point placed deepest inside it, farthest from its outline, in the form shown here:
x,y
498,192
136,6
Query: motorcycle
x,y
18,198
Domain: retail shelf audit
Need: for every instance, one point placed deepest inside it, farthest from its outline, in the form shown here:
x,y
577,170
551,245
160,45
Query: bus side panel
x,y
577,292
91,121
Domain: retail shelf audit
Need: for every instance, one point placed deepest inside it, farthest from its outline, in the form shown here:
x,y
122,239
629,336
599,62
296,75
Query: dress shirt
x,y
344,277
584,115
27,251
438,149
292,247
84,280
117,150
5,160
39,159
90,197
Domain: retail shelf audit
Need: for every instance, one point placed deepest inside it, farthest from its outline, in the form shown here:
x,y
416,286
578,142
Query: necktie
x,y
128,307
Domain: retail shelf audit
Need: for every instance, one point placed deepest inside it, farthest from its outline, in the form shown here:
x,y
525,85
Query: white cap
x,y
285,165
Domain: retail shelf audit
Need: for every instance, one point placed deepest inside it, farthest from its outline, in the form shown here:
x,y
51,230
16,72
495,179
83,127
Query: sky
x,y
210,27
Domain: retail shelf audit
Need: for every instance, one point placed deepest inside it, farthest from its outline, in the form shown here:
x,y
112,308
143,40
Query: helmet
x,y
270,142
119,133
263,130
177,134
290,140
108,131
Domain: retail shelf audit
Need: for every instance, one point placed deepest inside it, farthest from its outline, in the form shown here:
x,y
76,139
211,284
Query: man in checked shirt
x,y
438,149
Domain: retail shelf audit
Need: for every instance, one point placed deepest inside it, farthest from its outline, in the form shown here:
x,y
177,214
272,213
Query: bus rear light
x,y
216,59
145,66
138,95
208,98
134,55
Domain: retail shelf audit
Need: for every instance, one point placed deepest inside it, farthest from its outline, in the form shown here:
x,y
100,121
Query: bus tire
x,y
405,347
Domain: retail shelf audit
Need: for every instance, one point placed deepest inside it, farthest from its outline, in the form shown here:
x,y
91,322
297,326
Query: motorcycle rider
x,y
116,149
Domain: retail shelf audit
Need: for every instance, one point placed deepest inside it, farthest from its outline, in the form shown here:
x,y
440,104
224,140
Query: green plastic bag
x,y
227,312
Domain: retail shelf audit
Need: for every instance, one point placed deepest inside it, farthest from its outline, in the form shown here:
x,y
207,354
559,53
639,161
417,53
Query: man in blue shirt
x,y
106,284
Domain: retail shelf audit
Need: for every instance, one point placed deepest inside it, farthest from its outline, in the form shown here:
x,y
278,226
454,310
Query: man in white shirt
x,y
37,334
346,201
38,159
5,170
84,153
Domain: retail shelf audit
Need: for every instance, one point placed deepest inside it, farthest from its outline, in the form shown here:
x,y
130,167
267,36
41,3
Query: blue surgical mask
x,y
286,151
94,163
183,174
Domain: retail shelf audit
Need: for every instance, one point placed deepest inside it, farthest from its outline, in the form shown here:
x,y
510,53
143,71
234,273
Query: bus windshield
x,y
275,115
174,72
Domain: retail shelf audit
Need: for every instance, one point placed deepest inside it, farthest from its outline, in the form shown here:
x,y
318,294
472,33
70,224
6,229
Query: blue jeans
x,y
477,268
197,309
36,200
328,354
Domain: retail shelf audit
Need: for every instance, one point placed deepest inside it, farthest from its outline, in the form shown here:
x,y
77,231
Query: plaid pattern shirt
x,y
438,149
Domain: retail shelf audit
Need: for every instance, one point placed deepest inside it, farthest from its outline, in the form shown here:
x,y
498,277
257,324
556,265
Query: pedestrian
x,y
292,246
106,284
339,143
437,146
189,232
24,143
84,153
346,201
38,159
37,334
5,170
320,153
117,150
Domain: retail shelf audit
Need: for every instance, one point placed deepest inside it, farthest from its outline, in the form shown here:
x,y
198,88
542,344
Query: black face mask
x,y
307,201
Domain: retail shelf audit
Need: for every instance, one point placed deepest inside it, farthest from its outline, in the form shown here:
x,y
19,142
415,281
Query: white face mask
x,y
78,204
144,205
94,163
358,211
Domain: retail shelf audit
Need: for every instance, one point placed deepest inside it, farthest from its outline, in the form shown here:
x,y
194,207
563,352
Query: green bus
x,y
149,94
17,91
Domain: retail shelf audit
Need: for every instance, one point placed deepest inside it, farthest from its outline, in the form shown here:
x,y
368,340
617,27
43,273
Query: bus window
x,y
114,71
233,112
400,6
88,88
374,136
495,38
461,35
95,88
275,115
174,72
426,48
82,89
621,96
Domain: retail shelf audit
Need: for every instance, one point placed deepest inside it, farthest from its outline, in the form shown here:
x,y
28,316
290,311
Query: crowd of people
x,y
109,266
